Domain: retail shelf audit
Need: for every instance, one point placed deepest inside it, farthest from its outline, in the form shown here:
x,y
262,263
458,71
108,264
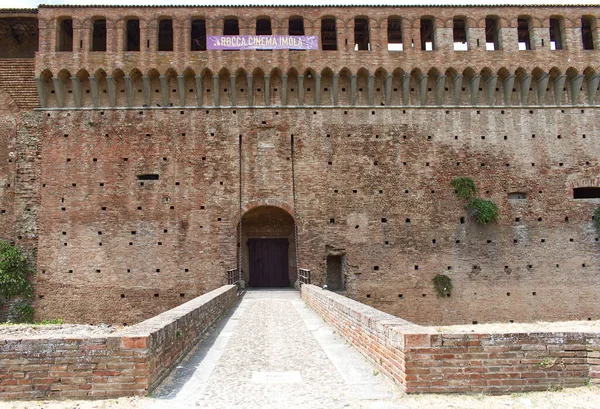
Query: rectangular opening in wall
x,y
394,33
99,35
263,27
335,276
427,37
165,35
524,33
132,37
65,35
556,33
148,176
459,34
296,27
231,27
588,26
361,34
586,192
328,34
492,34
198,39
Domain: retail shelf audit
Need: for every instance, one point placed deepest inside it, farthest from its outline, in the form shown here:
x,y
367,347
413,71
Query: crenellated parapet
x,y
366,56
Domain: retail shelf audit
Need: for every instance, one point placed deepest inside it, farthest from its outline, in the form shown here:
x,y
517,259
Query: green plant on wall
x,y
465,187
597,218
484,211
443,285
15,271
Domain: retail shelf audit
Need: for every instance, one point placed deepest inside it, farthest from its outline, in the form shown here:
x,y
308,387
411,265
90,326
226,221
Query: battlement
x,y
417,56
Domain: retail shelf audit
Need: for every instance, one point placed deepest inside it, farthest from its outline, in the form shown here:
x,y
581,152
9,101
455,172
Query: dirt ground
x,y
587,397
529,327
32,331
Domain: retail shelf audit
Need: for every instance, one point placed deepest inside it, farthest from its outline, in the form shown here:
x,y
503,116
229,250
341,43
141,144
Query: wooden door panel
x,y
268,262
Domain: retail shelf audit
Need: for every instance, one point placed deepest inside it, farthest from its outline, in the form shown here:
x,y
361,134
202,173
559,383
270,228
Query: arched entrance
x,y
268,247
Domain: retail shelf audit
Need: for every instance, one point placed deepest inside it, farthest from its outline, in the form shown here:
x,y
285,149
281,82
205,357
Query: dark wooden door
x,y
268,262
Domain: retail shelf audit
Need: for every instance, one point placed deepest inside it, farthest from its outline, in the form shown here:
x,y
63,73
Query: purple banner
x,y
262,43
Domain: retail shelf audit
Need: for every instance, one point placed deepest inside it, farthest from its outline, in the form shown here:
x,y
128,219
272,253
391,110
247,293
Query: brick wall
x,y
131,362
372,187
422,361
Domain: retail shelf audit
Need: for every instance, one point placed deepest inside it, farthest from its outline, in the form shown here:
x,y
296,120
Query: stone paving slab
x,y
272,351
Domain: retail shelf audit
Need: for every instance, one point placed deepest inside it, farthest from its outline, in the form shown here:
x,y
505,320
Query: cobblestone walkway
x,y
272,351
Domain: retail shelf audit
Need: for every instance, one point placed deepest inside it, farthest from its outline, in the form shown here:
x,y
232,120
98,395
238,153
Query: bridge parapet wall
x,y
423,360
129,362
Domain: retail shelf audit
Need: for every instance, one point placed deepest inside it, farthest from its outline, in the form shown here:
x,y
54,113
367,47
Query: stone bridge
x,y
284,348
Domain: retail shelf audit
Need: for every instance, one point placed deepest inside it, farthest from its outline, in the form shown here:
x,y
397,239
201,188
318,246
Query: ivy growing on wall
x,y
597,218
15,273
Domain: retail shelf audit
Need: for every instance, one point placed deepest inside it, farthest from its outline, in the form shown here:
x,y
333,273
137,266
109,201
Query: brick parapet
x,y
422,361
131,362
412,57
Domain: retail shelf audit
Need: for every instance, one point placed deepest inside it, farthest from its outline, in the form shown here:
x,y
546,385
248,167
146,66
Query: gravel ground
x,y
529,327
573,398
30,331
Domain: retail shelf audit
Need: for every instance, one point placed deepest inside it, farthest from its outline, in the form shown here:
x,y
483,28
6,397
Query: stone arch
x,y
574,86
189,87
538,89
591,84
268,230
207,88
362,87
258,80
435,87
309,86
225,91
488,84
379,84
505,85
327,87
292,87
85,92
172,88
242,90
452,87
155,93
118,78
397,81
344,87
137,88
64,81
101,79
557,86
275,87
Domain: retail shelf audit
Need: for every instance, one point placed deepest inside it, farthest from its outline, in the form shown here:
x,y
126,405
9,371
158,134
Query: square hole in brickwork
x,y
139,207
172,207
103,207
457,241
74,184
407,220
376,268
70,271
368,295
416,267
383,220
332,221
101,184
400,296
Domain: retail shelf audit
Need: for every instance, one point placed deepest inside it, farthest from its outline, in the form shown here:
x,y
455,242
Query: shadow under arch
x,y
268,247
